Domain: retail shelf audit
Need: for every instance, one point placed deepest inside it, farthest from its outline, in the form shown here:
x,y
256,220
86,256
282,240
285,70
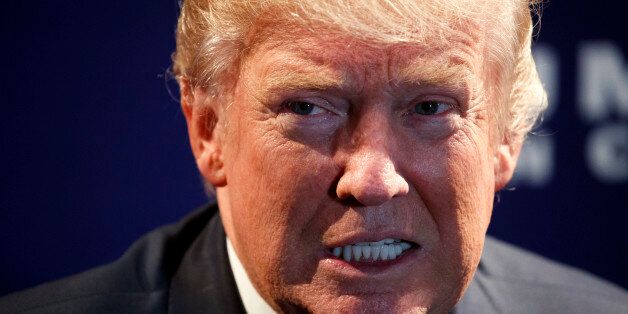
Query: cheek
x,y
455,181
469,183
281,187
473,177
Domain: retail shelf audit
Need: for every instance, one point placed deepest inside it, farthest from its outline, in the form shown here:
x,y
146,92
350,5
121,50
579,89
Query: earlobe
x,y
202,117
211,166
506,158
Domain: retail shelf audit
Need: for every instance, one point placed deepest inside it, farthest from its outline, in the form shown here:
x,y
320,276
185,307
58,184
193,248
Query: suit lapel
x,y
204,282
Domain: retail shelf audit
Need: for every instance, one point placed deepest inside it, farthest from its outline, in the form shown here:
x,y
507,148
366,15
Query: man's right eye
x,y
304,108
431,107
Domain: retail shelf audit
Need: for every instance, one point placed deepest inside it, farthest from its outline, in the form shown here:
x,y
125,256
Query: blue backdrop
x,y
93,148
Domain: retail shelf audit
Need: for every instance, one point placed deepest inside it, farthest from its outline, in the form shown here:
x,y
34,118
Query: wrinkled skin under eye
x,y
431,107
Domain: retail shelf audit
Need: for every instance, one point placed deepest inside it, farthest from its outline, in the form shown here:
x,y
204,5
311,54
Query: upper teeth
x,y
386,249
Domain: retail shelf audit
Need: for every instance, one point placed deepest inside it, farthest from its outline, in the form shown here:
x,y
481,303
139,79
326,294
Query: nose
x,y
369,174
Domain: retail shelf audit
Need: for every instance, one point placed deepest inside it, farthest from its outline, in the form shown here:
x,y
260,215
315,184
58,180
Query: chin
x,y
419,300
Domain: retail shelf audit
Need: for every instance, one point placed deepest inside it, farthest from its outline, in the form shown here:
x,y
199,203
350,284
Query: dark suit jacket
x,y
184,268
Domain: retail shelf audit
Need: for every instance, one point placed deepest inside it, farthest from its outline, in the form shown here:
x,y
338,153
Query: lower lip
x,y
376,266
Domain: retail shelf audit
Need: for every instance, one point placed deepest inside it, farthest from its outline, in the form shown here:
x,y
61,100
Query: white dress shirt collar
x,y
253,302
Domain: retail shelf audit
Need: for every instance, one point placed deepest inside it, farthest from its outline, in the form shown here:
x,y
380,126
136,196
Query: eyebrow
x,y
452,73
303,75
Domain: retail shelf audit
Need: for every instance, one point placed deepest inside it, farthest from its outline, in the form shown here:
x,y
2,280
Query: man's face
x,y
332,145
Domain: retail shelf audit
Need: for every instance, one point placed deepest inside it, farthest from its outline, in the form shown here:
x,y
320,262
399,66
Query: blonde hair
x,y
214,36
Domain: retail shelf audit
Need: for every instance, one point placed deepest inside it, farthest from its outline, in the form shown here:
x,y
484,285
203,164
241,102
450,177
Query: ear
x,y
506,157
202,115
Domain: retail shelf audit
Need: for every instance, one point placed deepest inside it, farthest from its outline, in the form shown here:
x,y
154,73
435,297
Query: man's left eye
x,y
431,107
304,108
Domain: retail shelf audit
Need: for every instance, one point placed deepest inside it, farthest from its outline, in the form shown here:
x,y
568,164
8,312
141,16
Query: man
x,y
354,150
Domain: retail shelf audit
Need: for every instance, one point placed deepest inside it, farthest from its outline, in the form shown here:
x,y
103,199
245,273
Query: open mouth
x,y
383,250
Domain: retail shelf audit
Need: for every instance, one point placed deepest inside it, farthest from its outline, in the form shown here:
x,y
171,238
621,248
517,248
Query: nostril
x,y
374,195
350,201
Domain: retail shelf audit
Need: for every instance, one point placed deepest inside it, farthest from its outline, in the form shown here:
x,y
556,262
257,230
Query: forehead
x,y
404,36
326,58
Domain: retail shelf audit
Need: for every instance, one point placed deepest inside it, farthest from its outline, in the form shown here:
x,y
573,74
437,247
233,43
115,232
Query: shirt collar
x,y
253,301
